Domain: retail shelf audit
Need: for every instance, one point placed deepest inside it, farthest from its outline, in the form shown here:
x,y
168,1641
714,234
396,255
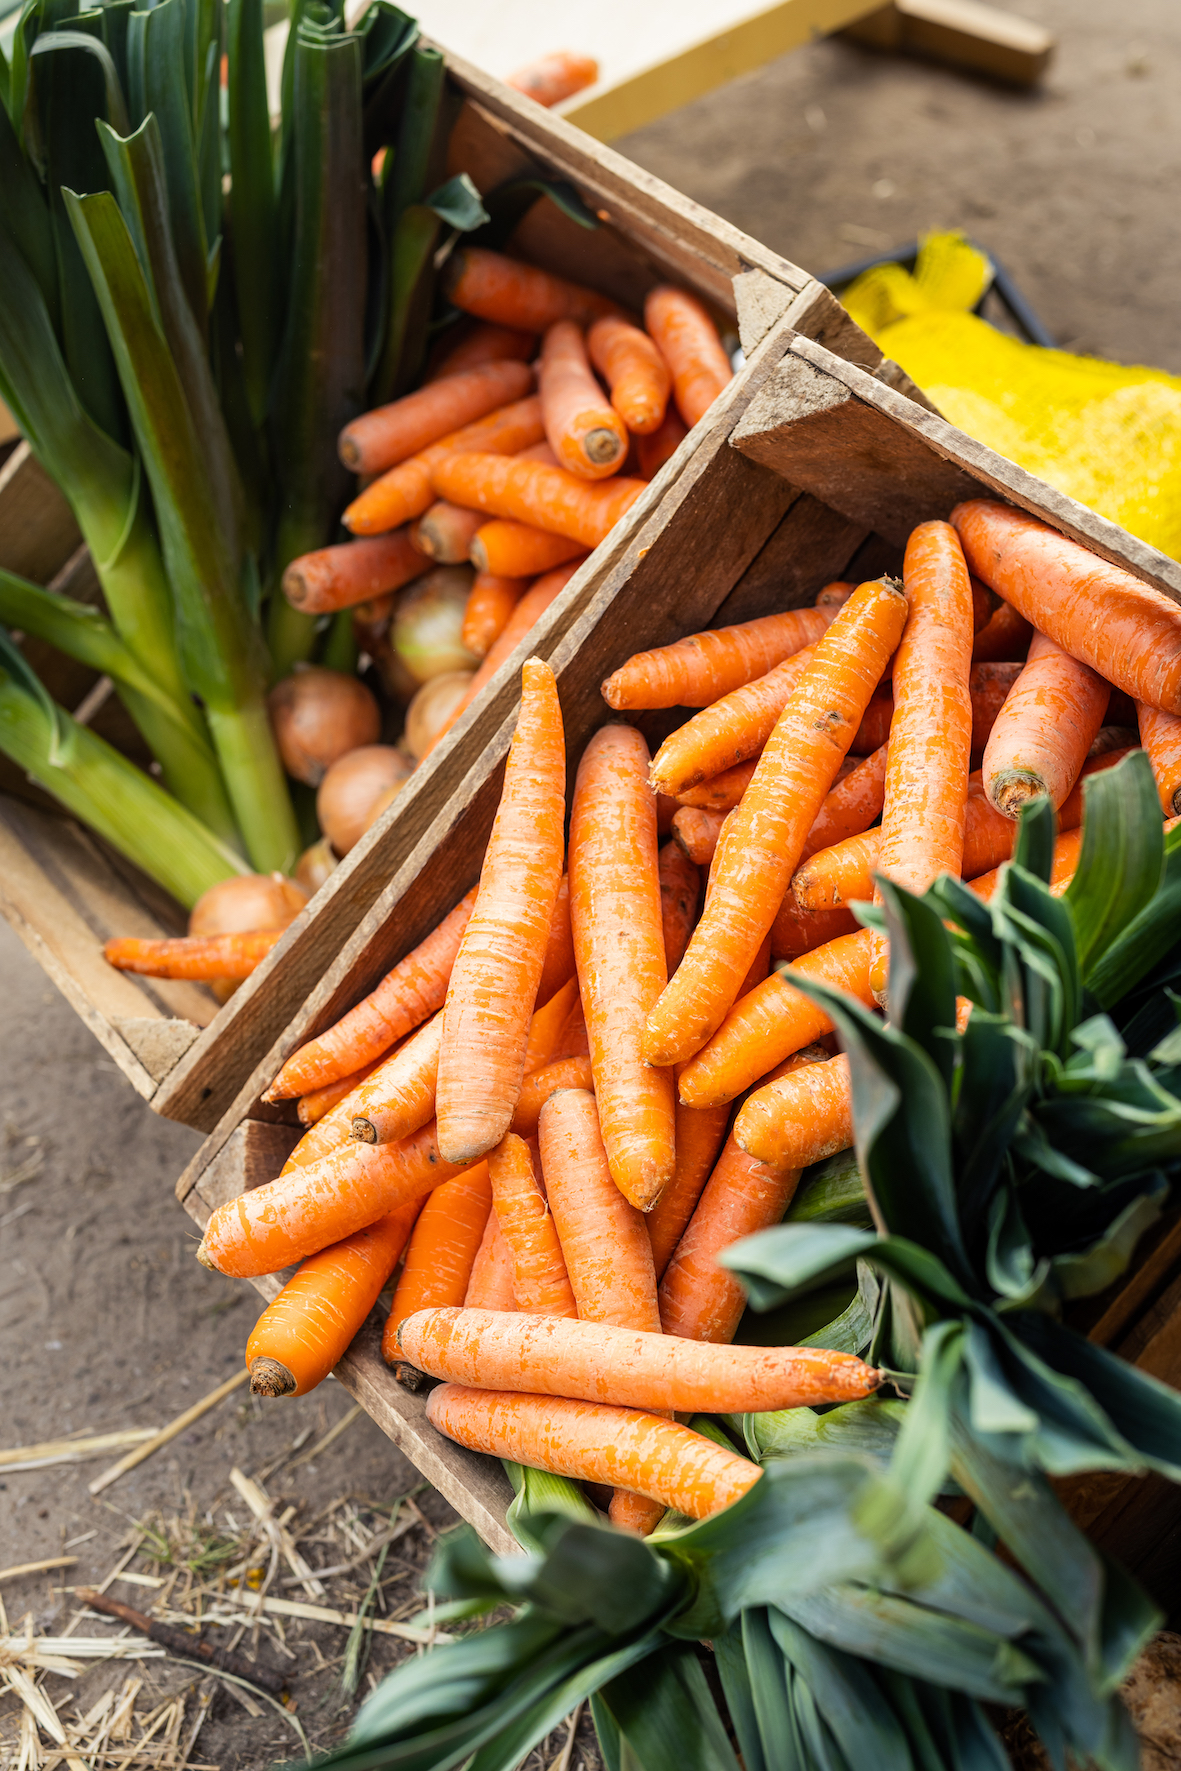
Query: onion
x,y
428,622
352,786
314,866
431,708
247,902
318,716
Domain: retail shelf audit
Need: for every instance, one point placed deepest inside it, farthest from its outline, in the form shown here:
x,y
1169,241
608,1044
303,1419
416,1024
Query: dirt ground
x,y
106,1320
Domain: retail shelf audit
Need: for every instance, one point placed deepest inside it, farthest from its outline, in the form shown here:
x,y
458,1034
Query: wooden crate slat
x,y
38,533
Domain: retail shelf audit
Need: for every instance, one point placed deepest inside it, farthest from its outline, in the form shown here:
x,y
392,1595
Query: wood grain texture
x,y
37,528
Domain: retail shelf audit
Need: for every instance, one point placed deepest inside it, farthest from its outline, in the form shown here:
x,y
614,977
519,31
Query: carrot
x,y
565,1072
551,78
491,1284
851,804
680,888
530,492
379,439
874,729
490,603
309,1327
721,792
698,670
441,1251
549,1023
834,595
604,1239
309,1207
696,833
518,550
842,874
773,1020
1044,730
510,293
482,343
400,1097
1099,613
313,1107
498,967
541,1284
700,1300
732,731
414,989
615,914
585,433
591,1442
760,851
661,445
1007,635
445,532
796,932
634,370
799,1118
574,1042
989,685
1067,849
197,957
701,1131
1160,734
688,341
408,490
537,452
525,616
354,572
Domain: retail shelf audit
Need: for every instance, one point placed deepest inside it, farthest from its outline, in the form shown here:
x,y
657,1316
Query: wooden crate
x,y
809,469
65,893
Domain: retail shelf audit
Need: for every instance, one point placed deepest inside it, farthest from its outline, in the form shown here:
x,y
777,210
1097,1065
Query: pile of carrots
x,y
480,495
553,1115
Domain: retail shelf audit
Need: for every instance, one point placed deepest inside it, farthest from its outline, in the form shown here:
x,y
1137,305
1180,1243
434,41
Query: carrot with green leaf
x,y
441,1251
541,1283
770,826
498,968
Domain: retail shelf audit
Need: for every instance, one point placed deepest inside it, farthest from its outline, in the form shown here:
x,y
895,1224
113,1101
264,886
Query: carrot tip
x,y
269,1378
409,1376
349,453
363,1130
204,1256
602,446
1011,789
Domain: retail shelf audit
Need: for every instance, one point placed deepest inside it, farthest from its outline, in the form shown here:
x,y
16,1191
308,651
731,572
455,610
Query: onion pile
x,y
353,786
431,708
428,623
318,716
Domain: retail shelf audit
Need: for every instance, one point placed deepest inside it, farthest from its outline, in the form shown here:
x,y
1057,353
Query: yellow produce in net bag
x,y
1108,435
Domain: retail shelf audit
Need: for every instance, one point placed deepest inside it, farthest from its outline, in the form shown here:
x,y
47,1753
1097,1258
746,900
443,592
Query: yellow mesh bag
x,y
1108,435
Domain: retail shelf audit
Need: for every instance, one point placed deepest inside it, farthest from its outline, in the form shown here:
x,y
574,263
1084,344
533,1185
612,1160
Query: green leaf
x,y
254,220
868,1428
1037,826
538,1492
598,1676
1120,865
737,1679
923,1450
922,974
510,201
845,1694
60,749
1094,1268
56,41
774,1264
26,215
830,1192
156,53
1150,934
1143,1412
458,203
665,1712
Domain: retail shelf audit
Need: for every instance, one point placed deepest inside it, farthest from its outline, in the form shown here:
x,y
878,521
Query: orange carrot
x,y
558,965
700,669
722,792
530,492
1099,613
930,749
441,1251
586,434
510,293
680,888
525,616
774,1020
548,1025
591,1442
874,729
634,370
701,1132
400,1097
1006,636
842,874
759,853
551,78
309,1207
697,832
572,1071
989,685
851,804
540,1281
594,1362
604,1239
1044,730
310,1326
1067,849
834,595
490,603
1160,734
688,341
199,957
498,967
800,1118
379,439
354,572
312,1107
408,490
481,343
654,450
730,732
414,989
445,532
615,914
796,932
491,1284
574,1042
518,550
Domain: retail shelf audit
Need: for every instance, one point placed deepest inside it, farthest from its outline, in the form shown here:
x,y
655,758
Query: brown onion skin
x,y
431,707
351,787
428,623
240,905
315,865
318,716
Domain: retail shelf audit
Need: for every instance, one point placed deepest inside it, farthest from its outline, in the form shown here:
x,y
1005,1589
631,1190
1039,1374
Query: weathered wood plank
x,y
38,533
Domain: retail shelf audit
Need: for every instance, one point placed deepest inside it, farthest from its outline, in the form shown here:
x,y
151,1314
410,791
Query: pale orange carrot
x,y
1067,849
722,792
518,550
540,1281
570,1071
400,1096
197,957
759,853
670,1464
498,968
680,889
1043,732
548,498
490,604
700,669
441,1251
615,914
730,732
1160,734
313,1107
558,964
491,1284
696,832
800,1118
661,445
354,572
551,78
688,341
445,533
379,439
635,372
586,434
481,343
408,490
549,1023
510,293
